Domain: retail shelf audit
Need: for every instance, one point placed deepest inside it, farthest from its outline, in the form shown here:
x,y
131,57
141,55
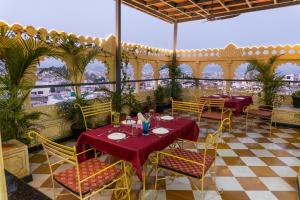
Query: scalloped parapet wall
x,y
107,43
228,58
234,52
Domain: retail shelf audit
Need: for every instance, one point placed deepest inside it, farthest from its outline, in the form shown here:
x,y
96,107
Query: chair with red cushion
x,y
84,179
189,163
215,111
261,112
264,112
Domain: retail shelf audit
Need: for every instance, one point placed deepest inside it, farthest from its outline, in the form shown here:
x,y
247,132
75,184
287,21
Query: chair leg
x,y
271,128
156,174
202,188
53,188
230,124
247,123
127,186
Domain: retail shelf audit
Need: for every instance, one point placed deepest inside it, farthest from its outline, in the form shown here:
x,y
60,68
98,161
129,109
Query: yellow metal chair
x,y
194,107
215,111
264,112
194,165
84,179
94,110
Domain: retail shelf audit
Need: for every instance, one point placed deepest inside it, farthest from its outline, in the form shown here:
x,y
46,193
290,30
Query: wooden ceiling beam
x,y
139,5
197,11
153,2
242,9
249,4
223,5
194,2
174,5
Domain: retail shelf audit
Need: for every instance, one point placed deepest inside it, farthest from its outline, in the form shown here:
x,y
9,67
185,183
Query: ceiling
x,y
179,11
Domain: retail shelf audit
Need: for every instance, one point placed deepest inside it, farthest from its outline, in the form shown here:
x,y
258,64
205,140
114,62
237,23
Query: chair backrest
x,y
212,140
195,94
61,152
215,103
194,107
93,110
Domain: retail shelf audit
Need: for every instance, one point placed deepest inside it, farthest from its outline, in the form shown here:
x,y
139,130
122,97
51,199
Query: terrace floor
x,y
250,166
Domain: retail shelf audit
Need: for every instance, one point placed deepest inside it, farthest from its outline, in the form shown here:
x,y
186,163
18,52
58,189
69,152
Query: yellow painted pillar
x,y
137,74
228,74
3,191
156,74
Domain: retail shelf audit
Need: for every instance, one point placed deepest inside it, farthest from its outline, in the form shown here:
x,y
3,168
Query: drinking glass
x,y
145,125
151,112
116,117
128,120
157,120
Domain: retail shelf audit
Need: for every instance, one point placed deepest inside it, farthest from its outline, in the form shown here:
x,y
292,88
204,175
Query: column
x,y
156,69
228,74
137,74
3,191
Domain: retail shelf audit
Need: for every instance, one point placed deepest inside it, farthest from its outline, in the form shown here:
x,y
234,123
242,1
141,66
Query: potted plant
x,y
173,88
159,95
149,104
296,99
76,56
264,72
18,58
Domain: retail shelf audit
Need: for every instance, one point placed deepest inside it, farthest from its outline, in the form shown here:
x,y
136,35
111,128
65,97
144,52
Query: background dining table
x,y
136,148
236,103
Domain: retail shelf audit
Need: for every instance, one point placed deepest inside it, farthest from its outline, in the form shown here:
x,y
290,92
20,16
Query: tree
x,y
264,72
18,57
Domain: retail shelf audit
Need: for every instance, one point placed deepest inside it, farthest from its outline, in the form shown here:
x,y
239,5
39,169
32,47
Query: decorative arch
x,y
163,71
147,73
213,71
290,63
239,70
96,71
291,72
129,70
47,74
186,69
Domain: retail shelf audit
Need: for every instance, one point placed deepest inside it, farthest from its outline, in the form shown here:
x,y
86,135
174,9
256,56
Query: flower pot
x,y
77,129
15,157
159,108
296,101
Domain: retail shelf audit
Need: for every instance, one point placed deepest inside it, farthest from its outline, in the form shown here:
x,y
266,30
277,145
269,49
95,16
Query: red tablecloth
x,y
136,149
236,102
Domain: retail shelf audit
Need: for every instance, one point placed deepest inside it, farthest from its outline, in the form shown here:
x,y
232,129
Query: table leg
x,y
144,181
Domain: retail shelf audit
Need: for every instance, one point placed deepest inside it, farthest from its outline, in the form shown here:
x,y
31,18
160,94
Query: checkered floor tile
x,y
250,166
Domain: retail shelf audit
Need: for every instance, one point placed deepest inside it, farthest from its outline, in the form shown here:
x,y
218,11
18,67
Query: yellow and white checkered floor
x,y
250,166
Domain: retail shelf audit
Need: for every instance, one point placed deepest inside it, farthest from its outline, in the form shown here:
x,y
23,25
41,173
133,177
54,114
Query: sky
x,y
96,18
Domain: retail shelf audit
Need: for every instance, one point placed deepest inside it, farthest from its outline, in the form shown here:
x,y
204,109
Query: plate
x,y
128,122
167,117
215,95
160,131
116,136
241,98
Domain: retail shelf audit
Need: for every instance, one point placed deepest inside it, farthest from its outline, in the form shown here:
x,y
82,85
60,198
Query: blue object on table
x,y
145,125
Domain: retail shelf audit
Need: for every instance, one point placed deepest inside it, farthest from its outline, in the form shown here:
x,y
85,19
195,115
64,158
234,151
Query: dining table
x,y
236,103
136,147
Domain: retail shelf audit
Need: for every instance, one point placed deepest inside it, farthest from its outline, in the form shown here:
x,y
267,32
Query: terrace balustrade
x,y
228,58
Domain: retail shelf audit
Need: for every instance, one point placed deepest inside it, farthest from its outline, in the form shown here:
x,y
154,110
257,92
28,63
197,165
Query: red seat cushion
x,y
68,177
212,115
185,167
260,113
